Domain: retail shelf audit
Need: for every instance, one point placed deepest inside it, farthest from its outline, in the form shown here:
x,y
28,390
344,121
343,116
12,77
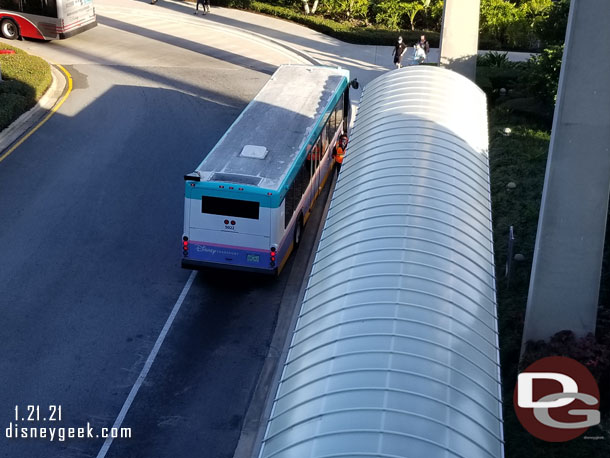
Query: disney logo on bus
x,y
213,251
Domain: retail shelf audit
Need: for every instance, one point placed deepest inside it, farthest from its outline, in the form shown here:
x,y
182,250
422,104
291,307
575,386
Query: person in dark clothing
x,y
398,52
205,5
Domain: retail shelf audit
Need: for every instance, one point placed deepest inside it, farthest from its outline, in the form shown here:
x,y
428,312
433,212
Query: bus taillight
x,y
185,245
272,256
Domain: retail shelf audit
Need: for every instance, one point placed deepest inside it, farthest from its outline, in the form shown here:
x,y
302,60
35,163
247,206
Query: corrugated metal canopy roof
x,y
395,352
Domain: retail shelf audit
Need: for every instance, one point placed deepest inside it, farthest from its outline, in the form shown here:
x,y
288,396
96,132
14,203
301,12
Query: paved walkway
x,y
365,62
230,28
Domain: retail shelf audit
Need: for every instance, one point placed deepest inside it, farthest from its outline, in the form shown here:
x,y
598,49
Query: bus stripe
x,y
232,247
24,23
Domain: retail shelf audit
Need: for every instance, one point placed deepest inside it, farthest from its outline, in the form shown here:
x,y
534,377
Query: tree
x,y
543,76
411,9
435,15
426,4
497,16
390,13
552,31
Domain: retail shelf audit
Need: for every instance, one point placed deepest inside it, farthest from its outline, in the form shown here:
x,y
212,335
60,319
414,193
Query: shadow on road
x,y
201,48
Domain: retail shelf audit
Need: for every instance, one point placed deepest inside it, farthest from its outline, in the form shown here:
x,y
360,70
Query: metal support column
x,y
460,36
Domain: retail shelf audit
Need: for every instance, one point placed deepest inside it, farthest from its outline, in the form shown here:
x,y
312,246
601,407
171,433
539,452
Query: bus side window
x,y
32,6
303,179
318,149
290,202
325,140
50,8
12,5
339,112
332,123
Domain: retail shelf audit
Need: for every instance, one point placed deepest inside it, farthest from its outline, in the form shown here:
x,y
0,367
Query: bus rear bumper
x,y
197,265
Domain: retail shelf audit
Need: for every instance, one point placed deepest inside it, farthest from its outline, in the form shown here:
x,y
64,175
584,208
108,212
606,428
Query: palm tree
x,y
412,9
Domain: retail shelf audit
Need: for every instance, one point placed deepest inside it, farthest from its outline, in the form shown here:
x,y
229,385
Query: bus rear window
x,y
229,207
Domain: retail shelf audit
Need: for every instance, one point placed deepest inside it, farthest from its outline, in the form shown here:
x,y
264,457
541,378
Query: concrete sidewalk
x,y
365,62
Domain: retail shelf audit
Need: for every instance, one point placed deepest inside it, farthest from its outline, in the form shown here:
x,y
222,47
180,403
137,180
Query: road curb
x,y
27,120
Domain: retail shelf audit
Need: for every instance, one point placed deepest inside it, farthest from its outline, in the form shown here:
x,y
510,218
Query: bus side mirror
x,y
354,83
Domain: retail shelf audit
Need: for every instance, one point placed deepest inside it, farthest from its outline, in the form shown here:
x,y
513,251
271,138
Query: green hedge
x,y
344,31
25,79
351,32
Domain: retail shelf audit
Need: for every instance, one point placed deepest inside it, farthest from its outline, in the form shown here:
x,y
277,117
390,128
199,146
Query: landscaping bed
x,y
25,80
517,166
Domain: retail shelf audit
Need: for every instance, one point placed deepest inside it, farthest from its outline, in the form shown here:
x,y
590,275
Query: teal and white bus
x,y
246,203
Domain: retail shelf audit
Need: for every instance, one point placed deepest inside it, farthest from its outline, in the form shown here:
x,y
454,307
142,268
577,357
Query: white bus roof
x,y
261,145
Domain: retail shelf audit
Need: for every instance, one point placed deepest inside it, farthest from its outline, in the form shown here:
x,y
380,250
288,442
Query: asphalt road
x,y
91,218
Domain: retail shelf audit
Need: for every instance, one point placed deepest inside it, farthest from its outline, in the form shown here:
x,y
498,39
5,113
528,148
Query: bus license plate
x,y
253,258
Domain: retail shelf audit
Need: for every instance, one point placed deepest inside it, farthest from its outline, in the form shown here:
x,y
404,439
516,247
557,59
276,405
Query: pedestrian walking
x,y
205,6
419,55
423,43
398,52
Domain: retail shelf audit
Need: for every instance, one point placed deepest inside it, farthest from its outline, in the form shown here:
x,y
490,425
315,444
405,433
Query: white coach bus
x,y
247,202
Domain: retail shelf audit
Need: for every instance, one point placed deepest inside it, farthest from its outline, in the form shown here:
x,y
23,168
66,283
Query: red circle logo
x,y
556,399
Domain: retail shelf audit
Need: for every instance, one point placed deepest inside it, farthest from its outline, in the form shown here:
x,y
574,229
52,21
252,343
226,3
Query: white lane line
x,y
149,362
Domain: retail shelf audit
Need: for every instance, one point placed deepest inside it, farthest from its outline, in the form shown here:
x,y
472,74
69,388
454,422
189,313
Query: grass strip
x,y
25,80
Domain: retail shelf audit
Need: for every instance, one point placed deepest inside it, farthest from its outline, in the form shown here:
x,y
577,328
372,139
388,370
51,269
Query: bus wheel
x,y
298,231
9,29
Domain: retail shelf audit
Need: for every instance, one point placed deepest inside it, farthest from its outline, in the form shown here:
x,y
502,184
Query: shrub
x,y
543,76
343,30
497,16
26,79
12,106
346,9
390,14
494,59
586,350
244,4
